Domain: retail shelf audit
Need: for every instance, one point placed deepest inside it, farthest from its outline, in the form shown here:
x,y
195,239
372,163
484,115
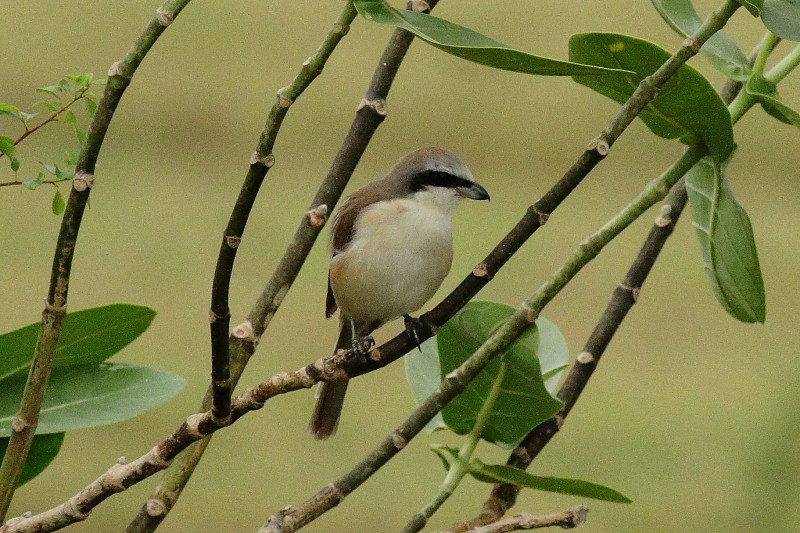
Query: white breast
x,y
401,252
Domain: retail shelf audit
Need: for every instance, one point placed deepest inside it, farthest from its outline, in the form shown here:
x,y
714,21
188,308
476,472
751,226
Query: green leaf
x,y
85,396
89,336
90,104
767,94
720,50
71,157
7,146
423,373
726,242
34,183
10,110
523,401
50,106
58,204
687,106
80,134
44,449
753,6
447,454
69,118
468,44
782,17
50,89
521,478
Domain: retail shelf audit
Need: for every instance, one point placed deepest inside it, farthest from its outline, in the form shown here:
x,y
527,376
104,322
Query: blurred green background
x,y
692,415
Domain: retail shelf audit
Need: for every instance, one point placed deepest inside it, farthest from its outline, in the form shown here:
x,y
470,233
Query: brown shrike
x,y
391,247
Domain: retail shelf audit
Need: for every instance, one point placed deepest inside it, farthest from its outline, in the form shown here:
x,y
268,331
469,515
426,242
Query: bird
x,y
391,247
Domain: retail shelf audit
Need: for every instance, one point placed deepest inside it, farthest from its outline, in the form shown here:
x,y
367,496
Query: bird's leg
x,y
361,345
413,328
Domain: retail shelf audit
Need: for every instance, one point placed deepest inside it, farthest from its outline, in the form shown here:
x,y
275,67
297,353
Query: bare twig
x,y
568,519
27,418
245,337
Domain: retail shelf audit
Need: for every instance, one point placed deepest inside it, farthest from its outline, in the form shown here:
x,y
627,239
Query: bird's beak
x,y
474,192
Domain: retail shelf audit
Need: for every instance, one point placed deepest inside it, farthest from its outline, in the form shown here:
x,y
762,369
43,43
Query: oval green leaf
x,y
87,336
687,106
84,396
521,478
524,400
720,50
726,243
782,17
471,45
44,449
58,203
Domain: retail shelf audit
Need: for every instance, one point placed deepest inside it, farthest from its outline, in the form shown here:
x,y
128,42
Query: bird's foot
x,y
414,327
361,347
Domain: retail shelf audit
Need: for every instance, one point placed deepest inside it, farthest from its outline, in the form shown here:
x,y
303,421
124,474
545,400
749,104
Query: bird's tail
x,y
330,396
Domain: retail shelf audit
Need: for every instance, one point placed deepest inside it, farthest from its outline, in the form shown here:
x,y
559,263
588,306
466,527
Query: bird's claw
x,y
362,346
413,328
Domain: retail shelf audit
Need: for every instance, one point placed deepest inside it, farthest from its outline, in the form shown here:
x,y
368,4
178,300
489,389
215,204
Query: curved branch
x,y
26,420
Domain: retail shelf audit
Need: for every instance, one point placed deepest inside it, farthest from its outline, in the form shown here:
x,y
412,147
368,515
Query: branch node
x,y
244,331
599,145
163,17
233,241
664,219
420,6
585,358
691,43
522,453
71,510
111,480
375,354
193,425
19,424
156,507
398,441
341,29
283,100
378,105
335,491
481,271
55,309
121,460
212,316
158,459
115,69
318,216
530,314
268,160
82,181
635,291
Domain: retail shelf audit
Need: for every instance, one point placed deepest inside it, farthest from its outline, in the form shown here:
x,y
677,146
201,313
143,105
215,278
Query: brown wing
x,y
343,223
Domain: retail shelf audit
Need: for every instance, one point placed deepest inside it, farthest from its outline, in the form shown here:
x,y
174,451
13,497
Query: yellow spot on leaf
x,y
618,46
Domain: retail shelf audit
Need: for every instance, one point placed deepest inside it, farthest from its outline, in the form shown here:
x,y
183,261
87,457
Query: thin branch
x,y
26,420
245,338
568,519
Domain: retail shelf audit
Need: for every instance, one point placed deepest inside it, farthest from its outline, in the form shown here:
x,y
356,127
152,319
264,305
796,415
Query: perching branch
x,y
245,337
26,420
